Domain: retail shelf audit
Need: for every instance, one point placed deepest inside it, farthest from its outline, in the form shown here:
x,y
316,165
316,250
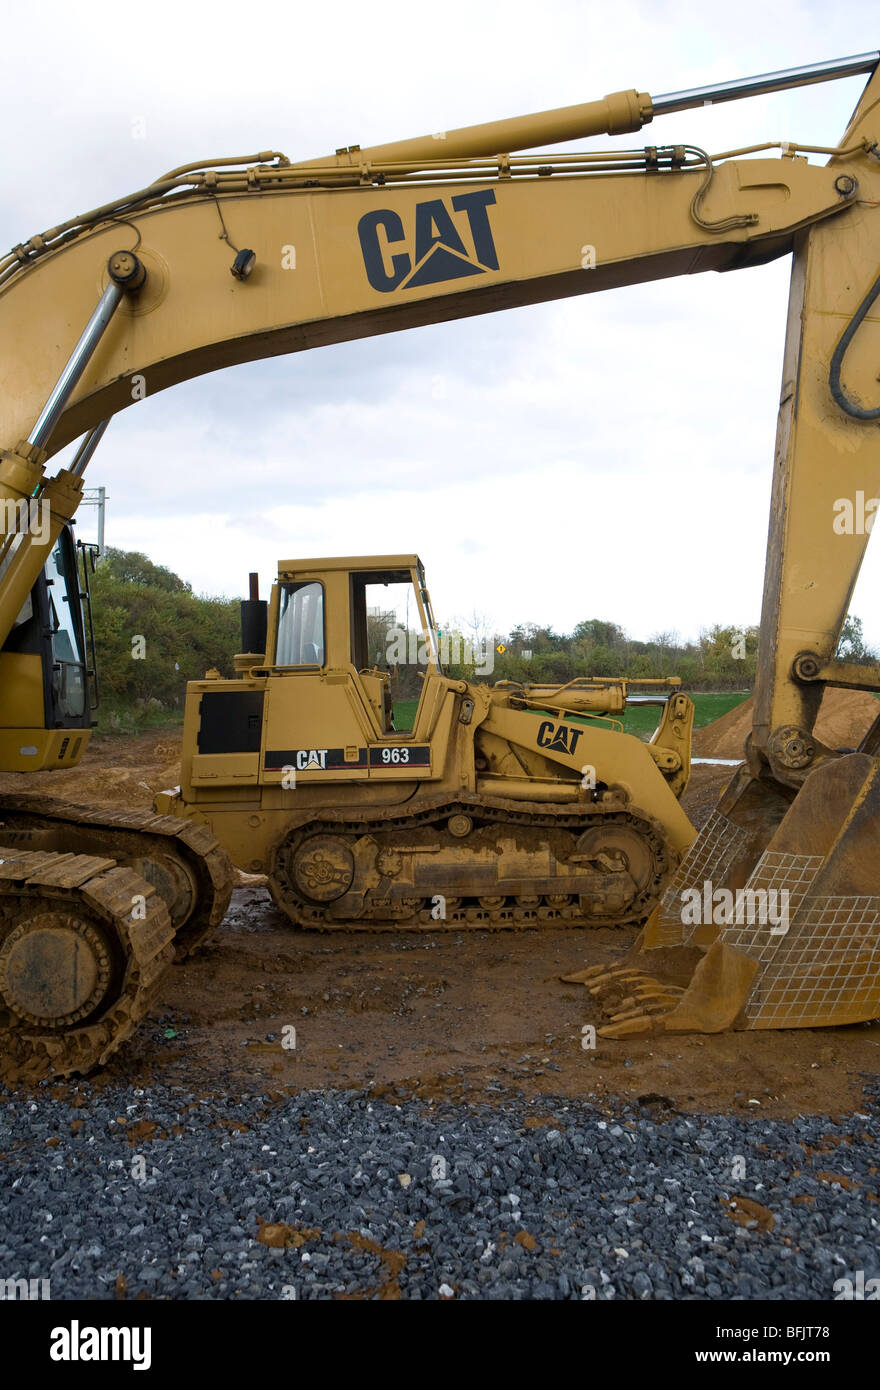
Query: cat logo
x,y
561,740
440,251
307,758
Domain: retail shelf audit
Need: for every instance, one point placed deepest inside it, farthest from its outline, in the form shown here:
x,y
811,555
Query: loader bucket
x,y
784,935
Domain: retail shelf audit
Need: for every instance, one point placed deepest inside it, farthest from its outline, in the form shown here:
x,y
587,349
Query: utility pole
x,y
97,497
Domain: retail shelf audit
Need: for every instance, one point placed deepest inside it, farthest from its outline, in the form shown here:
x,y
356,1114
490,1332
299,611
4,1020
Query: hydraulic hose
x,y
857,412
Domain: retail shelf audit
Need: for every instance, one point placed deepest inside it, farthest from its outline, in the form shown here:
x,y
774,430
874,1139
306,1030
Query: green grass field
x,y
710,705
404,714
641,720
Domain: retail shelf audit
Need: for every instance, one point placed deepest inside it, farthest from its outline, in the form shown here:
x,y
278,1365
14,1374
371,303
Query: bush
x,y
153,634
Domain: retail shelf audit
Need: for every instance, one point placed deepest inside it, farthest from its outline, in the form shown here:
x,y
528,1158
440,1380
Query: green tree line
x,y
721,658
153,634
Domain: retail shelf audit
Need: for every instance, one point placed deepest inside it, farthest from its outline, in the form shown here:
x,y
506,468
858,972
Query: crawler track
x,y
89,902
95,905
585,894
182,860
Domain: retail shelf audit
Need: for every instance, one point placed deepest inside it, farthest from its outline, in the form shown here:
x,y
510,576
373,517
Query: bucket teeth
x,y
644,1003
619,976
633,1010
580,977
626,1027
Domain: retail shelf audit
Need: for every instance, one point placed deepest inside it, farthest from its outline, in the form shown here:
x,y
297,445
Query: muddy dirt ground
x,y
471,1016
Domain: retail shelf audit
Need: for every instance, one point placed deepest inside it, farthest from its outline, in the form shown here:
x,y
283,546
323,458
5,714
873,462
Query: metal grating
x,y
717,846
827,967
774,874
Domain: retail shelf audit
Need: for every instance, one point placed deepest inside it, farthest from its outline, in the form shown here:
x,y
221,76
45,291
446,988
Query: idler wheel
x,y
323,868
55,970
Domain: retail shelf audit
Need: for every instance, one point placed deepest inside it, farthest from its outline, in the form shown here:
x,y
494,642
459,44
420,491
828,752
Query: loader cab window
x,y
392,632
300,640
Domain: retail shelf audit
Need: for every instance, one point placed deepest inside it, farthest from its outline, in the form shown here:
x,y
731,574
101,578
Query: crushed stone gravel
x,y
113,1192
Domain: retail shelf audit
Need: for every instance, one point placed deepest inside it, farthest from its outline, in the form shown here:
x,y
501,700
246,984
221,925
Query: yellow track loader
x,y
503,805
137,295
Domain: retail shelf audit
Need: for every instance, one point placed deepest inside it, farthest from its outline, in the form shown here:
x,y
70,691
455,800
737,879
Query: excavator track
x,y
338,871
183,861
84,944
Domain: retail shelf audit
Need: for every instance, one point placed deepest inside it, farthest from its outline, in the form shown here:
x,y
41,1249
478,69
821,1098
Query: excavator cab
x,y
45,672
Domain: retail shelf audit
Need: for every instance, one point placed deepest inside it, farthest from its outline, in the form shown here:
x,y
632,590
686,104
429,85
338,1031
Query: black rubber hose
x,y
856,411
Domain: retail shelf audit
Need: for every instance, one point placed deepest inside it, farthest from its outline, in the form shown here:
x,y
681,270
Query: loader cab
x,y
370,615
345,640
339,680
45,669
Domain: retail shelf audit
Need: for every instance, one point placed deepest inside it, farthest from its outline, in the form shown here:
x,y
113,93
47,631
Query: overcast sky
x,y
605,456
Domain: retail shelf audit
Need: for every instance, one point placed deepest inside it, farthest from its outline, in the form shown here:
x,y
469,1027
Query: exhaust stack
x,y
254,619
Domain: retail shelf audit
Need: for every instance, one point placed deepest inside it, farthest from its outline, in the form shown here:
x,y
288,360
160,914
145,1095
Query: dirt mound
x,y
844,717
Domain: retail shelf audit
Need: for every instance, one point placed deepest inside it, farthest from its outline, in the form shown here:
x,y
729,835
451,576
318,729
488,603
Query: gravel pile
x,y
115,1192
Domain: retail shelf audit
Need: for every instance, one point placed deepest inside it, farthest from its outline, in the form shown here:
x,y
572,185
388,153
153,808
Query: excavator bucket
x,y
758,930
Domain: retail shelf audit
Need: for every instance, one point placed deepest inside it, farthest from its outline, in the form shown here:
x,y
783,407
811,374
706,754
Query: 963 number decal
x,y
401,755
395,755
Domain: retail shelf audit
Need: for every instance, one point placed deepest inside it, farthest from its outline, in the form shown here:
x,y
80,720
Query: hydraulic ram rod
x,y
126,274
764,83
87,448
76,365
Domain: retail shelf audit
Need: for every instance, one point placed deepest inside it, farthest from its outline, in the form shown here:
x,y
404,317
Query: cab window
x,y
300,640
68,670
